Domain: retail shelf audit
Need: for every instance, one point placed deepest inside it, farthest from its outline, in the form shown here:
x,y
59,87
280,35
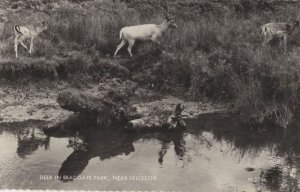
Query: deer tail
x,y
17,29
263,31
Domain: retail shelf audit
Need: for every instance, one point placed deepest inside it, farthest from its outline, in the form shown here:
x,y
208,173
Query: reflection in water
x,y
29,140
272,178
89,143
284,176
278,178
210,139
176,138
30,137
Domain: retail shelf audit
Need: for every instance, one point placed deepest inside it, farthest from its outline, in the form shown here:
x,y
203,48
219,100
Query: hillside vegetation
x,y
215,53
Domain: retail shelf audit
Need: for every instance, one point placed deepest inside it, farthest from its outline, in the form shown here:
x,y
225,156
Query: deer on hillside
x,y
270,31
27,32
146,32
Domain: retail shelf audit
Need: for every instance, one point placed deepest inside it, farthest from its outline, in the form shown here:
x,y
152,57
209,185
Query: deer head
x,y
295,21
169,18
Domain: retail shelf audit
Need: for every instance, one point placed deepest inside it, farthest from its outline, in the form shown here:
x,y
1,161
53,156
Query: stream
x,y
216,152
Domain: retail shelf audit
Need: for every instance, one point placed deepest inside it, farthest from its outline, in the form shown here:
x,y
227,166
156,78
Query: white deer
x,y
25,32
146,32
279,30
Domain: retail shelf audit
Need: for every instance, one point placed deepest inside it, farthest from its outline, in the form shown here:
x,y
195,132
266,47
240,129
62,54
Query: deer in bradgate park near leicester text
x,y
270,31
146,32
27,32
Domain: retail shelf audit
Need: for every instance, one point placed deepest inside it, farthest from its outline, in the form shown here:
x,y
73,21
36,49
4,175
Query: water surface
x,y
215,153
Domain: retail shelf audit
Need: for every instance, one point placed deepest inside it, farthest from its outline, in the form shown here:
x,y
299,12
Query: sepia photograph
x,y
150,95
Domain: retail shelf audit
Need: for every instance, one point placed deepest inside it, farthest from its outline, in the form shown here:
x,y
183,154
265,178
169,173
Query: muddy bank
x,y
33,101
38,101
168,104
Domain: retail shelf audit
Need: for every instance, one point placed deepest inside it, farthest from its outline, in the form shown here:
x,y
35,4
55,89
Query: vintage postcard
x,y
150,95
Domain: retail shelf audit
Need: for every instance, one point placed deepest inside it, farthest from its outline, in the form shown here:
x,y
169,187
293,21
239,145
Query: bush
x,y
28,68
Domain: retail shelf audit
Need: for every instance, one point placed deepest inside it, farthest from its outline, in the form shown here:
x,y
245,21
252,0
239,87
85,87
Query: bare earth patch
x,y
31,102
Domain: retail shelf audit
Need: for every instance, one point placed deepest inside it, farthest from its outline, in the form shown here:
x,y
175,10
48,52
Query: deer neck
x,y
38,30
163,27
293,27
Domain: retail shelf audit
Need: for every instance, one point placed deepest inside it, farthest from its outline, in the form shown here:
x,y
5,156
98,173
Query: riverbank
x,y
38,101
35,101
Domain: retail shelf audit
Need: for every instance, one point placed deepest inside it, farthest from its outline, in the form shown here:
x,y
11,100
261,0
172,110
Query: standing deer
x,y
270,31
25,32
146,32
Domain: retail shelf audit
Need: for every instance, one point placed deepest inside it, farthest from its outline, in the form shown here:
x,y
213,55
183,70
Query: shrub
x,y
28,68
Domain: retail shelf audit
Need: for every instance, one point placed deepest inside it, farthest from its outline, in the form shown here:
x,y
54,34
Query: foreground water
x,y
215,153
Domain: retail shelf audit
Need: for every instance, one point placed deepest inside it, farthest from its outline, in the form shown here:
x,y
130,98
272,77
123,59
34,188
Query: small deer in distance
x,y
27,32
146,32
270,31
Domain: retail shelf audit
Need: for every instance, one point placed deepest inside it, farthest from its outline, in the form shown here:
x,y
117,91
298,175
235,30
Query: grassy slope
x,y
215,54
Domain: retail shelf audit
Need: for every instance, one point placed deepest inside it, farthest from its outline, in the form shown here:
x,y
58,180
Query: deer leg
x,y
33,132
284,43
155,40
162,152
119,47
267,41
21,42
31,46
131,43
16,46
